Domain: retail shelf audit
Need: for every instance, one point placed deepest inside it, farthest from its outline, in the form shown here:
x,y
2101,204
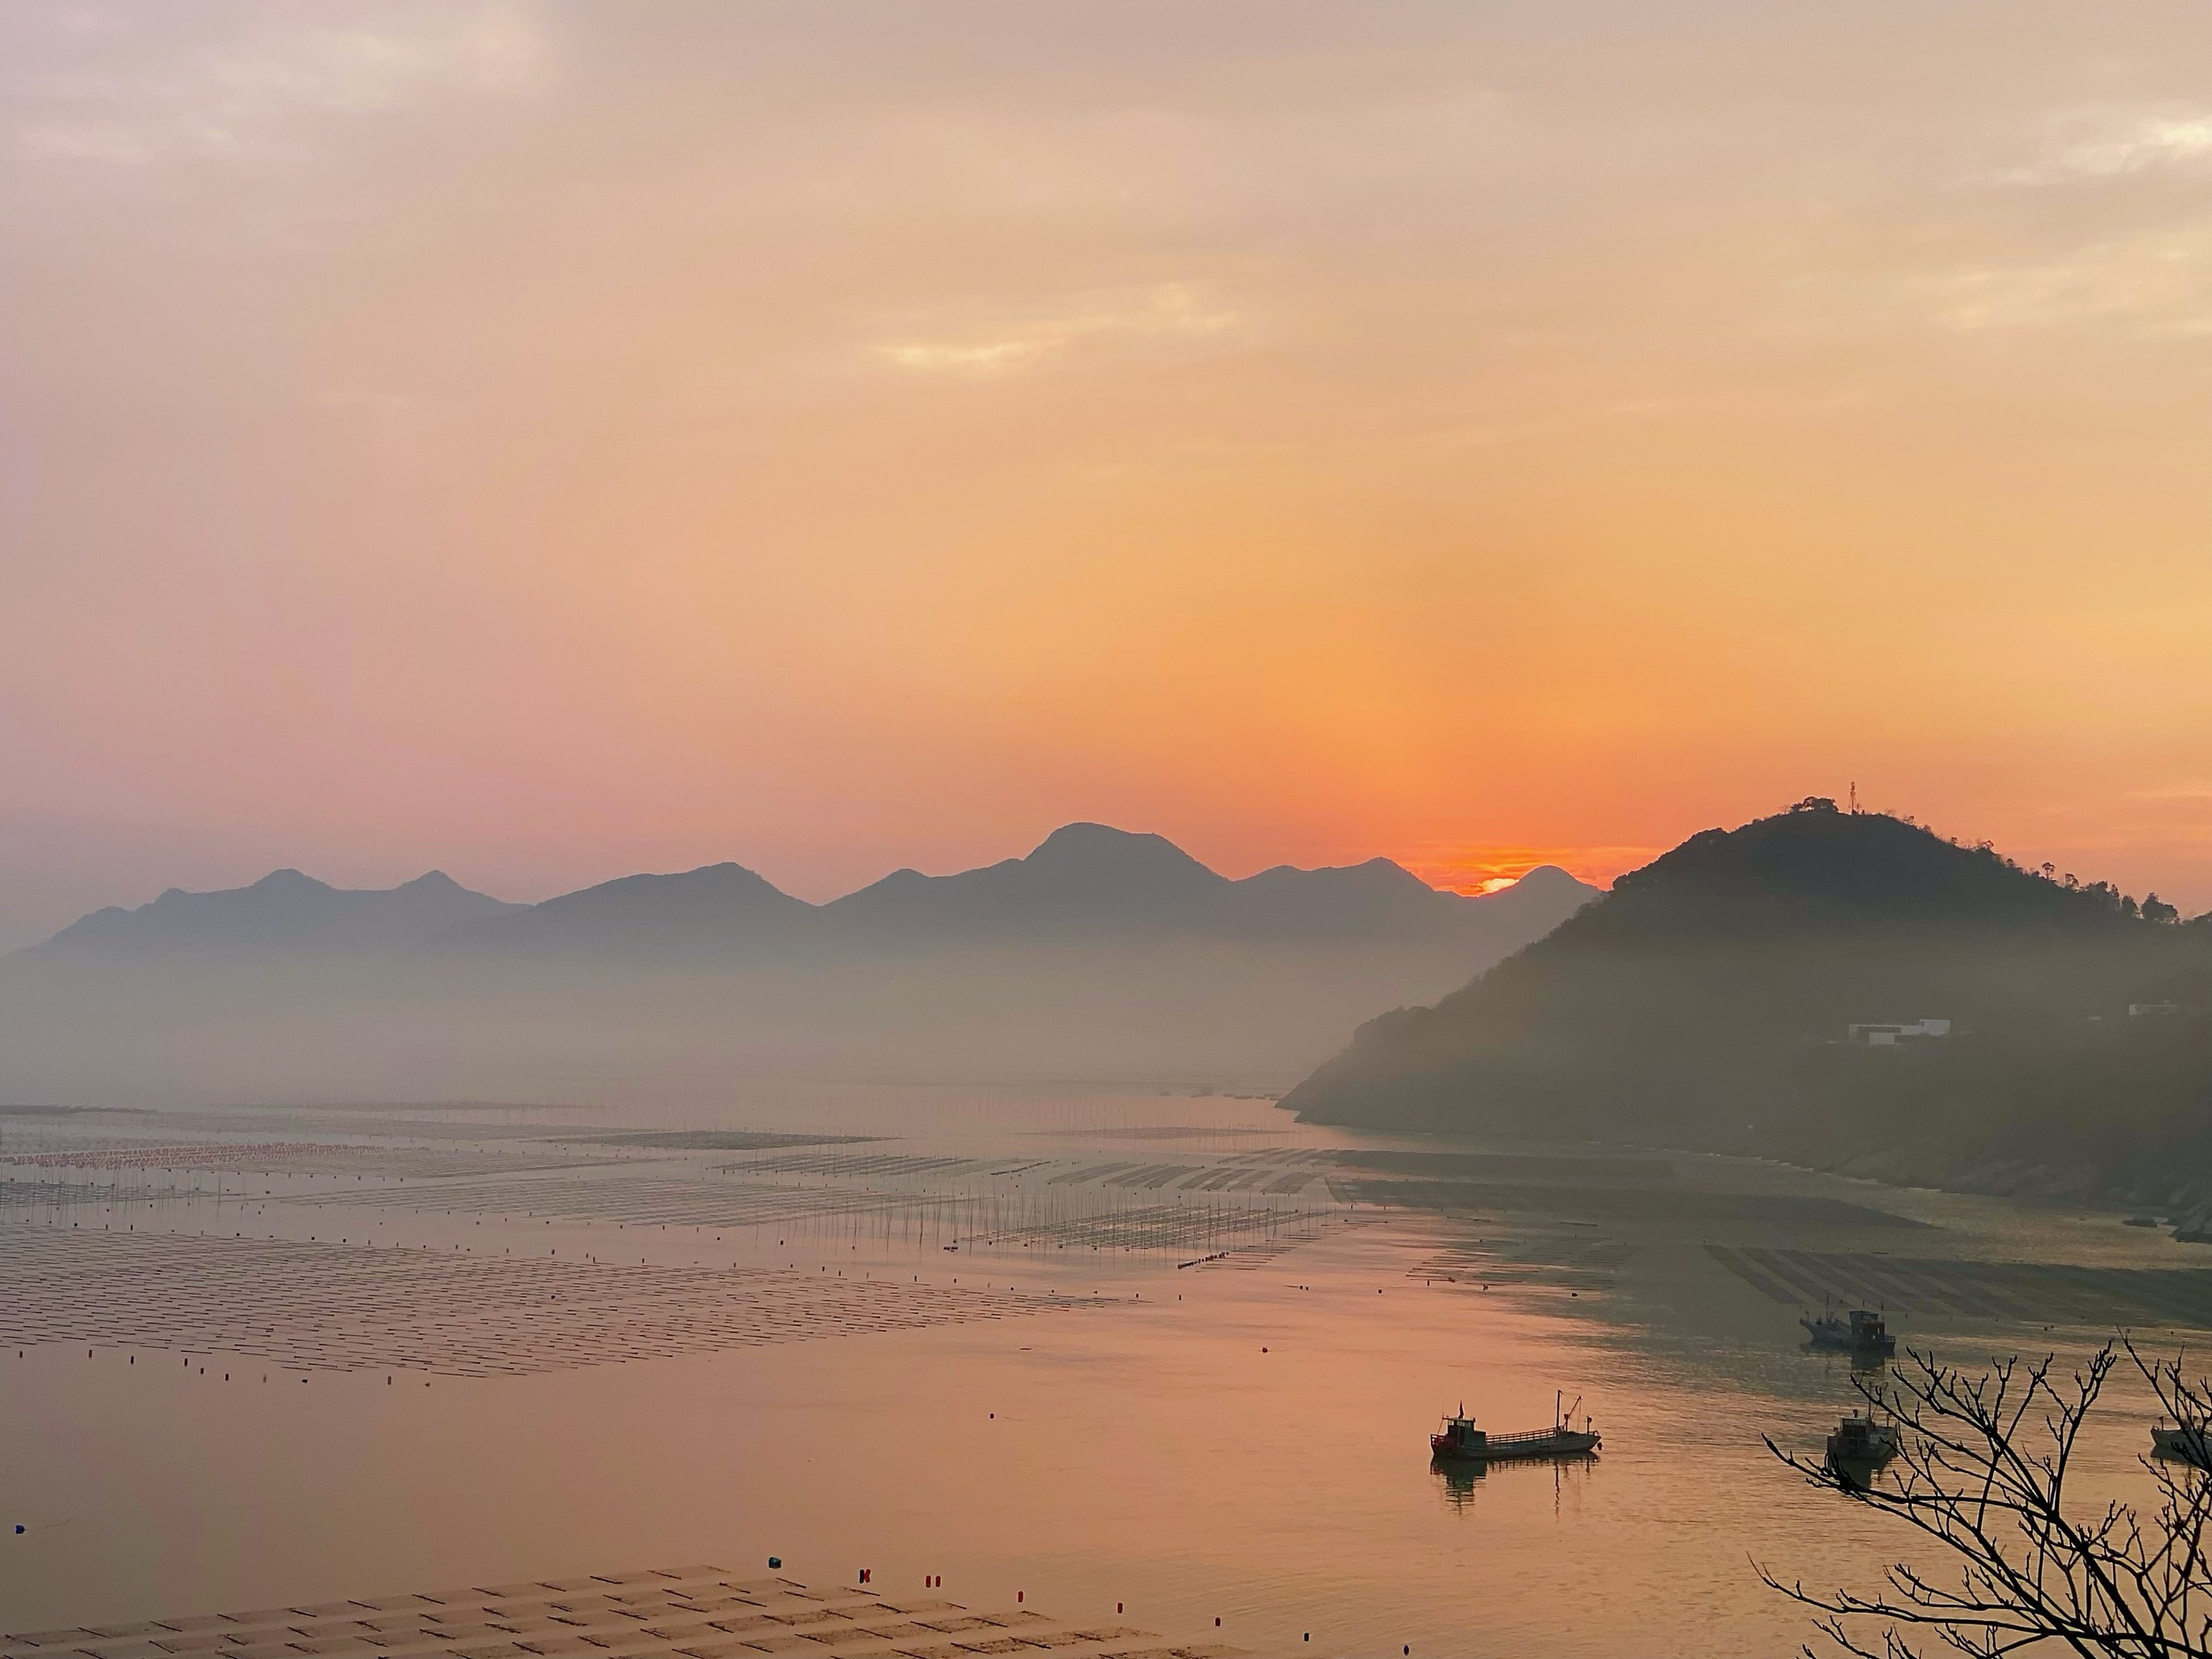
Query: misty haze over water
x,y
1100,955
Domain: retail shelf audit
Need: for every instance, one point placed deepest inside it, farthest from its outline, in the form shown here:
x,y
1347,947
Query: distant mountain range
x,y
284,911
1084,883
1102,957
1709,998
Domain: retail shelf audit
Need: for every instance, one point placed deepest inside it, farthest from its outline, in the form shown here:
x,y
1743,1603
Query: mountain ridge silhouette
x,y
1083,882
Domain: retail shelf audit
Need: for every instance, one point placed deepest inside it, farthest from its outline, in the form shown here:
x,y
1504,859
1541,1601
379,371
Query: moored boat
x,y
2192,1445
1462,1440
1863,1331
1859,1445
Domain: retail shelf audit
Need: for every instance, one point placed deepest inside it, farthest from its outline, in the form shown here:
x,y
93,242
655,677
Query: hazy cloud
x,y
2107,145
126,97
1166,310
2158,282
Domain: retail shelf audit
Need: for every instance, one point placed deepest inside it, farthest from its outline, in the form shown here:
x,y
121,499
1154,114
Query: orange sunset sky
x,y
551,441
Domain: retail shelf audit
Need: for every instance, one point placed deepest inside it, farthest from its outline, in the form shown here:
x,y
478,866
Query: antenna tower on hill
x,y
1855,800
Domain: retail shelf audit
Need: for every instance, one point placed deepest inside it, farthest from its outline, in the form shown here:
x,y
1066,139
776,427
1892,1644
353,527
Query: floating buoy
x,y
774,1562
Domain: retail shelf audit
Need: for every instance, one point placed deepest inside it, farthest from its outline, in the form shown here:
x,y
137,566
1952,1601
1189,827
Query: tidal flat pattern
x,y
1161,1227
887,1166
2028,1293
309,1158
1567,1261
361,1308
1623,1207
643,1201
697,1613
723,1140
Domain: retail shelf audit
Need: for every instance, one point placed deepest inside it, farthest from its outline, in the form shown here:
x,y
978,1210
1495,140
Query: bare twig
x,y
1981,1468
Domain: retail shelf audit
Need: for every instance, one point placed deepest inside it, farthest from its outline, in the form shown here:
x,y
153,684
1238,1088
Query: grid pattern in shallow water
x,y
1241,1176
307,1158
2028,1292
1159,1227
631,1201
697,1613
353,1308
883,1164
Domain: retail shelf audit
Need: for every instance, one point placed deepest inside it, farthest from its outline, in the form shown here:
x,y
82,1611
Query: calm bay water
x,y
1243,1440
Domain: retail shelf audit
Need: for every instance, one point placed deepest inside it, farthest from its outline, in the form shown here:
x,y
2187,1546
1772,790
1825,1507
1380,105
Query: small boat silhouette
x,y
2191,1443
1859,1447
1863,1331
1461,1440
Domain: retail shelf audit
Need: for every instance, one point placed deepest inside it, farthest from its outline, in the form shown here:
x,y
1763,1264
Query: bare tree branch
x,y
1981,1469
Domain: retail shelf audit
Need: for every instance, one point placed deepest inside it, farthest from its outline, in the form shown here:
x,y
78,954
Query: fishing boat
x,y
1861,1331
1461,1440
2189,1444
1859,1443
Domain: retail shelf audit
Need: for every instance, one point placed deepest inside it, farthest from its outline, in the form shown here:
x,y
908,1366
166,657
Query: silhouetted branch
x,y
1981,1468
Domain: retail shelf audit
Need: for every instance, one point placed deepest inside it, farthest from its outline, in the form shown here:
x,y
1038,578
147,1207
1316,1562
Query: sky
x,y
545,442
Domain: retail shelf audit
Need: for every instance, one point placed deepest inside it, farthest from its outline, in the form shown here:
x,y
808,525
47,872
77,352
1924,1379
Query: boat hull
x,y
1859,1454
2192,1446
1567,1442
1869,1339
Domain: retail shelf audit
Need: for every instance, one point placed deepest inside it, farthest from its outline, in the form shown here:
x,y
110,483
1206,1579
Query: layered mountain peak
x,y
1083,883
286,880
1376,875
1547,878
1084,877
284,910
1086,849
1087,861
690,912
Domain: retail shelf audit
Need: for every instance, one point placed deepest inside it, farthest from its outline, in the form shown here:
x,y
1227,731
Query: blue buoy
x,y
19,1526
774,1562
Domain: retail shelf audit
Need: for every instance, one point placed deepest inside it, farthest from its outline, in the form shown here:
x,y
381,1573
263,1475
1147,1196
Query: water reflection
x,y
1863,1363
1460,1476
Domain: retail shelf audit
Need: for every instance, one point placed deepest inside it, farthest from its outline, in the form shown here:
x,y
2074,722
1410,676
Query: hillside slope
x,y
1708,999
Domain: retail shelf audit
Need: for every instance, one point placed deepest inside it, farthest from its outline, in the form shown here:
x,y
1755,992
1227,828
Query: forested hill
x,y
1708,999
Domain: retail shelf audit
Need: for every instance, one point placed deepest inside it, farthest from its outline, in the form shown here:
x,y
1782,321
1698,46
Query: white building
x,y
1889,1033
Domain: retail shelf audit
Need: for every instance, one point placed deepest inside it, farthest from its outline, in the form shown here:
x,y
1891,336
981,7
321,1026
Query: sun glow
x,y
1308,442
1476,870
